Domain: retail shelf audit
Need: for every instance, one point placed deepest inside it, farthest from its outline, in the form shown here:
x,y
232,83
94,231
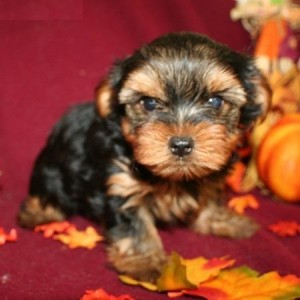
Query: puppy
x,y
153,149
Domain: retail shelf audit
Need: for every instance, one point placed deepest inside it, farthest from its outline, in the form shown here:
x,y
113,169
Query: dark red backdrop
x,y
53,53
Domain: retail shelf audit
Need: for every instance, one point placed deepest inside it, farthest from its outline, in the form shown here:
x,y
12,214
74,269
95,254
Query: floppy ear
x,y
258,97
108,89
104,96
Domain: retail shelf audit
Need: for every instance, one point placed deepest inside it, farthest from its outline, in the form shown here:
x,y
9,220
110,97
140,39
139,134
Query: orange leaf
x,y
53,228
243,283
7,237
75,238
200,269
240,203
100,294
285,228
235,178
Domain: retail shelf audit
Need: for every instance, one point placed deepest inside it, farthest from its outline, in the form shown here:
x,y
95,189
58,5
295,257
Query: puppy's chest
x,y
167,201
171,202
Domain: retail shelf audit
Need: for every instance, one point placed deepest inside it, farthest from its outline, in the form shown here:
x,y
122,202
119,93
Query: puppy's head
x,y
186,100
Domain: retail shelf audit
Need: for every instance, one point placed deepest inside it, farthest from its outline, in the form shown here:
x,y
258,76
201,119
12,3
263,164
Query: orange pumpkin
x,y
278,158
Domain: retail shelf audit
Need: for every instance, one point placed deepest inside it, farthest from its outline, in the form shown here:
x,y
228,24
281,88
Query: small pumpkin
x,y
278,158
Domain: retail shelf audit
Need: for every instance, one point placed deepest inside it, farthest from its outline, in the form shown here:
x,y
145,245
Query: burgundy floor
x,y
53,53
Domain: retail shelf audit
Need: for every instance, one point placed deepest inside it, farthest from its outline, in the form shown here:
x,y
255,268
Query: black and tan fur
x,y
154,148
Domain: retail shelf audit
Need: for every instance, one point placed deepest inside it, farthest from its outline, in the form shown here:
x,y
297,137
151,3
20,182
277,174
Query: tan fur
x,y
221,221
166,200
34,213
127,130
103,99
219,79
263,95
146,82
213,146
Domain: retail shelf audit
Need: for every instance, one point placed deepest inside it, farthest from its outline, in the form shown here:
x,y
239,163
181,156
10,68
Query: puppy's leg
x,y
135,247
33,213
223,222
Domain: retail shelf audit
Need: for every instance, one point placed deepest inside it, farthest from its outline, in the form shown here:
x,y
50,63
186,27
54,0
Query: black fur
x,y
70,172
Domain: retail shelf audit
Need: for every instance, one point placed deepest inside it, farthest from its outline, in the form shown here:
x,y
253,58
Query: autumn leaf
x,y
201,269
11,236
240,203
203,278
75,238
131,281
174,275
53,228
235,178
180,273
285,228
244,283
100,294
68,234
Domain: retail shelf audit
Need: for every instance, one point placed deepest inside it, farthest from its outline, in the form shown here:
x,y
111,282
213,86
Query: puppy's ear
x,y
258,95
104,98
107,91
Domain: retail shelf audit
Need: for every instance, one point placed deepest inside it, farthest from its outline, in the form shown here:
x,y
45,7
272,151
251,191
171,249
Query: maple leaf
x,y
11,236
285,228
200,269
100,294
53,228
240,203
244,283
75,238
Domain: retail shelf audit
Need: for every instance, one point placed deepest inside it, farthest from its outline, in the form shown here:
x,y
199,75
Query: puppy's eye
x,y
215,101
149,104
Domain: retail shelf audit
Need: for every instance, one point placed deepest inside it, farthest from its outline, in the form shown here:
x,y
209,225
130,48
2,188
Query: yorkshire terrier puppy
x,y
153,149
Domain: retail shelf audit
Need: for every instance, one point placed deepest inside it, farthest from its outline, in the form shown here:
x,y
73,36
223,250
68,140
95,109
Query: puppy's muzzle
x,y
181,146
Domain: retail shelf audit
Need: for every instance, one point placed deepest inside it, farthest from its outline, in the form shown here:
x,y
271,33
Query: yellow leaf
x,y
75,238
240,203
131,281
174,275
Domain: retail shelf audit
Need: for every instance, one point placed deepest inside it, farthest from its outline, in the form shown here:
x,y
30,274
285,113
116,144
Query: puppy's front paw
x,y
140,266
223,222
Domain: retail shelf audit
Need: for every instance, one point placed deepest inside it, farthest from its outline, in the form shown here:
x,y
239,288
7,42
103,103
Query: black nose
x,y
181,146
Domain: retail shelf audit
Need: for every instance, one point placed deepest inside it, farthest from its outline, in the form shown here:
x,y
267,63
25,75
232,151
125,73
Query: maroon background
x,y
53,54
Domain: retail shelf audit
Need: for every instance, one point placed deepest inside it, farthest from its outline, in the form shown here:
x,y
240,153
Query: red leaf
x,y
285,228
8,237
100,294
53,228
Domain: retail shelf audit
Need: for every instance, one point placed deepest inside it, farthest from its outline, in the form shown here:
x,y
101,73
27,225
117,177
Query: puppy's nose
x,y
181,146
